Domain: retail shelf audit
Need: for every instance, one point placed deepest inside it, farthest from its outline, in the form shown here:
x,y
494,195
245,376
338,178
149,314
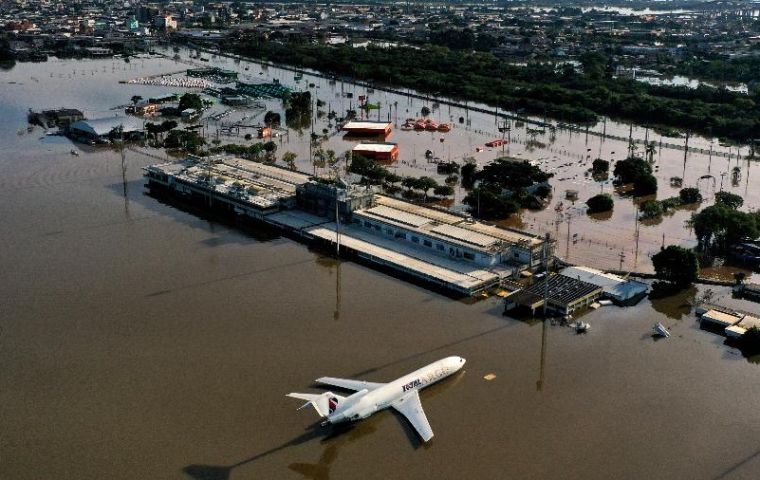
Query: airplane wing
x,y
409,406
349,384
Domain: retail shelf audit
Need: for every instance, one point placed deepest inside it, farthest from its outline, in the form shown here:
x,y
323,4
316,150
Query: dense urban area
x,y
581,172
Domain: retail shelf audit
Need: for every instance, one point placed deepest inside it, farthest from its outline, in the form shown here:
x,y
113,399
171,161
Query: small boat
x,y
75,153
661,331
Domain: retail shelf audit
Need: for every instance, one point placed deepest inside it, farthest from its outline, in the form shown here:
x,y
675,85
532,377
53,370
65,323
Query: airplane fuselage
x,y
364,403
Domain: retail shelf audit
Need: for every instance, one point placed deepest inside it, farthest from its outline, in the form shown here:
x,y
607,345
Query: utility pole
x,y
545,261
622,257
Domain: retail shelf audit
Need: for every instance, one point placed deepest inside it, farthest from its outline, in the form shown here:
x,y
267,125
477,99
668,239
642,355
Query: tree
x,y
650,150
600,203
507,174
645,185
651,209
468,172
489,205
728,199
190,100
677,265
719,227
425,111
443,190
425,184
136,99
289,159
272,119
600,166
690,195
393,178
631,169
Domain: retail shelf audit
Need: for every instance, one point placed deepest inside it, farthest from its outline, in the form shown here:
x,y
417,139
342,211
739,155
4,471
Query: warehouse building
x,y
368,128
383,152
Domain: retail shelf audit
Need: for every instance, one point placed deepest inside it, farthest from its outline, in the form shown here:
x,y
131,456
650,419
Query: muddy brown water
x,y
138,340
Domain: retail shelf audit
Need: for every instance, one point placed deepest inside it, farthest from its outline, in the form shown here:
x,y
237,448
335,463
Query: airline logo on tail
x,y
332,404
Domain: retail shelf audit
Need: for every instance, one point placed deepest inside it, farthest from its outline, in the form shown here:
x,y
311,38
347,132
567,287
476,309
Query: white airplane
x,y
371,397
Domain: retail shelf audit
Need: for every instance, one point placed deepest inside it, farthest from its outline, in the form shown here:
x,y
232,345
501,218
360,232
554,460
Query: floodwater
x,y
600,242
141,341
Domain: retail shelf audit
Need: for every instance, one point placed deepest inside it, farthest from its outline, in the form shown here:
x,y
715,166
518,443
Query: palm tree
x,y
650,151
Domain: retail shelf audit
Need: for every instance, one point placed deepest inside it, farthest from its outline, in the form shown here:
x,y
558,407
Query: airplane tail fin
x,y
324,404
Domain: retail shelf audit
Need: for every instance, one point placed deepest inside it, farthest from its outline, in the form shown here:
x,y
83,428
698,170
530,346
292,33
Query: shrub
x,y
600,203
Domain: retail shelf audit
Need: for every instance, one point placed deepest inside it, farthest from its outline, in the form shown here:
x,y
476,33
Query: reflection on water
x,y
676,306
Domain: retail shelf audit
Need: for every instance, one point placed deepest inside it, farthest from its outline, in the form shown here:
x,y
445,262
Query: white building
x,y
451,235
621,290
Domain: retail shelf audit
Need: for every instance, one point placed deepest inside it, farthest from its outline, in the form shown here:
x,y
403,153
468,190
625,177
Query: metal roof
x,y
375,147
399,216
104,126
720,318
463,235
618,287
366,126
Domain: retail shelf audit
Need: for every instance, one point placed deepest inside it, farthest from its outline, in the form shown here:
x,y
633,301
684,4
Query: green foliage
x,y
393,178
631,169
690,195
298,110
289,159
510,175
676,265
600,166
638,172
728,199
600,203
447,168
185,139
543,191
443,190
371,172
272,119
468,172
485,203
536,87
190,100
719,226
646,185
651,209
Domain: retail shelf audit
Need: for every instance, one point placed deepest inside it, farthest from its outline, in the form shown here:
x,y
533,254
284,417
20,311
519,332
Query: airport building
x,y
562,295
438,248
452,235
247,188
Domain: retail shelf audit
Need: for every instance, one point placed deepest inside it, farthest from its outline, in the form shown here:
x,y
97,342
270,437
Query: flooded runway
x,y
141,341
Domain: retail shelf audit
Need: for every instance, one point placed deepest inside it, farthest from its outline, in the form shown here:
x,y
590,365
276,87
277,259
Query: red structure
x,y
385,152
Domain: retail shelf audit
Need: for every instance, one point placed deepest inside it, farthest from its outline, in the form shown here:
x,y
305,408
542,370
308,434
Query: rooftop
x,y
367,126
379,147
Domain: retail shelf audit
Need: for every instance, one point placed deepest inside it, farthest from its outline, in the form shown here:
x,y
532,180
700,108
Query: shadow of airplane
x,y
222,472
